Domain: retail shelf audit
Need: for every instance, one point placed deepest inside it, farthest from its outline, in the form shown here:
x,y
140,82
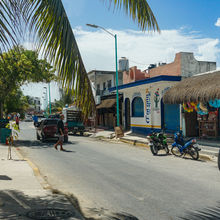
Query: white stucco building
x,y
143,108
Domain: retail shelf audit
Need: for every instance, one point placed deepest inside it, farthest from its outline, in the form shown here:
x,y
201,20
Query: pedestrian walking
x,y
60,131
35,118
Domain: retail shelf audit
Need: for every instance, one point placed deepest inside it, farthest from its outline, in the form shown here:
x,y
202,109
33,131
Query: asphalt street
x,y
110,177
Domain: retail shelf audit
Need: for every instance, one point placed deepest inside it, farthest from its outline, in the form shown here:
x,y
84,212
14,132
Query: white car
x,y
28,118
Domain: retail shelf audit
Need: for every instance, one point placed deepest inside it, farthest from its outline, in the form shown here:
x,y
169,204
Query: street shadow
x,y
106,214
162,155
67,151
39,144
122,216
136,135
190,158
16,205
209,213
4,177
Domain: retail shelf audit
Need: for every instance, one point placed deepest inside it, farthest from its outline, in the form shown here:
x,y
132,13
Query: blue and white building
x,y
143,107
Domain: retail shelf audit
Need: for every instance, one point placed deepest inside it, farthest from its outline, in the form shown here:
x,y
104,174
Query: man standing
x,y
35,118
60,131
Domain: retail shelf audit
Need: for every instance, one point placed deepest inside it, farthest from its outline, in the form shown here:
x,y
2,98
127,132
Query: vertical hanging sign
x,y
148,107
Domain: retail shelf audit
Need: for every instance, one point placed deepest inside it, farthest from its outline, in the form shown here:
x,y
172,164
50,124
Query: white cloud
x,y
98,52
97,48
217,22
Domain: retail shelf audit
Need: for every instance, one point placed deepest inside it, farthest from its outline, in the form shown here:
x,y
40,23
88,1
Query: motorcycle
x,y
158,141
181,147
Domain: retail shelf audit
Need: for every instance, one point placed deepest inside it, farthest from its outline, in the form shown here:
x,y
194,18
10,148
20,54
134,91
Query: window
x,y
104,87
137,107
109,83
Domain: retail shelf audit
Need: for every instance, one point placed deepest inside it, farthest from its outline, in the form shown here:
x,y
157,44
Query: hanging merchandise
x,y
203,107
194,105
187,107
210,108
215,103
201,110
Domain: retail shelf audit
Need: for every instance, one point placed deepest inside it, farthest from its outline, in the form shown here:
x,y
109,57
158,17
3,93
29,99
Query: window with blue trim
x,y
137,107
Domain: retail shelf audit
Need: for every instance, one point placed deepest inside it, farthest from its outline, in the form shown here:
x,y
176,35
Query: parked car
x,y
28,118
54,116
47,129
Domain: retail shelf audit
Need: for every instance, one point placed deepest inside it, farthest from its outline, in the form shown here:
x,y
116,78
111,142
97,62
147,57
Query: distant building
x,y
36,103
103,80
134,74
184,65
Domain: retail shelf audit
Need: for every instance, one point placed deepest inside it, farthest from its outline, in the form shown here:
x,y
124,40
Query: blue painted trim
x,y
147,81
145,131
162,113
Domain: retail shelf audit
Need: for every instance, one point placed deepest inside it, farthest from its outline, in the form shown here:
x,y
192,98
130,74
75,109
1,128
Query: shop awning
x,y
201,87
107,103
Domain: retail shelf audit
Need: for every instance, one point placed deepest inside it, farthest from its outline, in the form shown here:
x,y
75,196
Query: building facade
x,y
101,81
143,107
184,65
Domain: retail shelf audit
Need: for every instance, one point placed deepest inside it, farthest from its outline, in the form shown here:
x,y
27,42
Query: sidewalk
x,y
22,195
209,148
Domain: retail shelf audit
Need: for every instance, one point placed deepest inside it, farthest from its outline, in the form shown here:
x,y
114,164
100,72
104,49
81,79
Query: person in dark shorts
x,y
60,131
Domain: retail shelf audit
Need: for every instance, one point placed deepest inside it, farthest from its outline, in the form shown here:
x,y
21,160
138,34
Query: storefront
x,y
199,98
143,107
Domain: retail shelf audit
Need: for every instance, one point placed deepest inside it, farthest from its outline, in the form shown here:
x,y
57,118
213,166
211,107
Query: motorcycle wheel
x,y
175,151
154,149
166,149
194,153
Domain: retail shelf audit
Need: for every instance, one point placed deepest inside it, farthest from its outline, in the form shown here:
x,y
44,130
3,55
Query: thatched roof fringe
x,y
197,88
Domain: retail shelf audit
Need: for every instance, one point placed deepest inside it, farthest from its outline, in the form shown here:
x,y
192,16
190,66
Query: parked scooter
x,y
158,142
181,147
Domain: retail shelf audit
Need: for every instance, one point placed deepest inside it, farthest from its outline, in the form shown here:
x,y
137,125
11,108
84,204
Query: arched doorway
x,y
137,107
127,114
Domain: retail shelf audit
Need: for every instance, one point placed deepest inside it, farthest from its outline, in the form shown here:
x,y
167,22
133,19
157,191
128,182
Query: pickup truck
x,y
73,120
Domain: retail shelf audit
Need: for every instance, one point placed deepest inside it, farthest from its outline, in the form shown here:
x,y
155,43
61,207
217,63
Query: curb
x,y
31,164
208,157
46,186
134,142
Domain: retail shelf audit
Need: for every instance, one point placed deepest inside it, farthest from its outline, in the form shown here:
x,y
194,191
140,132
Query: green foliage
x,y
49,23
66,98
19,66
16,102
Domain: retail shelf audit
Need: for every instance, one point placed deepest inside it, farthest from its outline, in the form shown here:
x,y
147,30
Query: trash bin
x,y
4,132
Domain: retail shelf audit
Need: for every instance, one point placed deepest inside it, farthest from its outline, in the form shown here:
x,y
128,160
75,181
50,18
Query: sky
x,y
186,26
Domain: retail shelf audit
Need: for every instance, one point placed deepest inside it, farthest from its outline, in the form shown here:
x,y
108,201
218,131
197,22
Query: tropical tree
x,y
19,66
47,19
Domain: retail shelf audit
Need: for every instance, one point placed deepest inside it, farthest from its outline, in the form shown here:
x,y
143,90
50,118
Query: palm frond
x,y
139,10
55,35
49,21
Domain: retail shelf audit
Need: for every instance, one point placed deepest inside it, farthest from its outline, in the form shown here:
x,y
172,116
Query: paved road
x,y
117,178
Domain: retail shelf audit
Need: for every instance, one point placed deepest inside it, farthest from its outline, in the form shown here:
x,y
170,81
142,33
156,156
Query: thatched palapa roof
x,y
202,87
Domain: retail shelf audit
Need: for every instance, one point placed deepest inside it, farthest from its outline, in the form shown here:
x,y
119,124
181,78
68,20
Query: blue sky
x,y
183,22
186,25
197,15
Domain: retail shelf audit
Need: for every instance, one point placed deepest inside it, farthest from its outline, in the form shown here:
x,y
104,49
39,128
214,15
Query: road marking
x,y
21,203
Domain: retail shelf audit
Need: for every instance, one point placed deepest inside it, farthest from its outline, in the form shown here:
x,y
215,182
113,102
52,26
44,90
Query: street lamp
x,y
116,66
49,97
46,98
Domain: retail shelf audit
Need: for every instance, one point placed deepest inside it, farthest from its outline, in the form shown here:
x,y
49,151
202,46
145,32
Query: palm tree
x,y
47,19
